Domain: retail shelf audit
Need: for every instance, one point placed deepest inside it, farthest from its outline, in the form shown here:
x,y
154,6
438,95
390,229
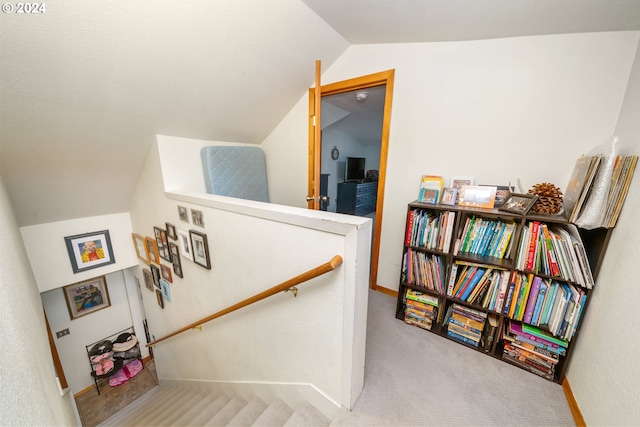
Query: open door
x,y
315,95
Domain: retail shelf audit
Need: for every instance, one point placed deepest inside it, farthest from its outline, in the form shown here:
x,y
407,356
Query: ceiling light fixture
x,y
361,96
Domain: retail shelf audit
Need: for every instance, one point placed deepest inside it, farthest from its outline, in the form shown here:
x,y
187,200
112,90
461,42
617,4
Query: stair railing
x,y
284,286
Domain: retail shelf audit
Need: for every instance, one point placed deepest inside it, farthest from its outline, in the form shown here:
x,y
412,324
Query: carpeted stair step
x,y
174,403
195,399
185,418
118,418
247,415
226,414
208,412
141,408
307,415
276,414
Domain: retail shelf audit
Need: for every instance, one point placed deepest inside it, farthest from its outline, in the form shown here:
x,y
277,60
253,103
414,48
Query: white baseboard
x,y
292,394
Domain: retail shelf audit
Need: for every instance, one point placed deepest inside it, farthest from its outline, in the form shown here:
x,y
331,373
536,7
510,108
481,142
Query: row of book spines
x,y
536,336
542,302
554,253
425,229
422,270
479,284
486,237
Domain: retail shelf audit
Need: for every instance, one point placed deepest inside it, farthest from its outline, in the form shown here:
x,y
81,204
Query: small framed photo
x,y
197,217
166,289
478,196
185,244
159,298
183,214
200,248
162,242
153,250
89,250
171,231
449,196
519,203
459,181
175,257
502,194
165,273
155,274
148,278
86,297
142,250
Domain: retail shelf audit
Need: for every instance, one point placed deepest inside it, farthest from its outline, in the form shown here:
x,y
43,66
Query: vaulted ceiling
x,y
85,86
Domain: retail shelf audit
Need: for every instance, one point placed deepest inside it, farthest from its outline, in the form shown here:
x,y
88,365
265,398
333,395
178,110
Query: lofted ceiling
x,y
86,86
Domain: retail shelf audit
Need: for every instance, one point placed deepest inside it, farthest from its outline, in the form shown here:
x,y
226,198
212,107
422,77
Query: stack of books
x,y
420,309
480,284
620,181
532,349
465,324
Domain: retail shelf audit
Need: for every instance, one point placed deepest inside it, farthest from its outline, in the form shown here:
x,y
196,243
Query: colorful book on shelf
x,y
468,288
542,292
430,189
538,333
531,301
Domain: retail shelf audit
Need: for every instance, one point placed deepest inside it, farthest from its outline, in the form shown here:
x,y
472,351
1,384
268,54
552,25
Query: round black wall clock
x,y
335,153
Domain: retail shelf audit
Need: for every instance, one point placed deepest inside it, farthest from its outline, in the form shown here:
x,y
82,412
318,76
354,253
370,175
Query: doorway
x,y
351,126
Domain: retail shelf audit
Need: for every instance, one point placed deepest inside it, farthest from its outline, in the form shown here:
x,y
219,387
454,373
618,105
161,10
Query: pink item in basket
x,y
129,370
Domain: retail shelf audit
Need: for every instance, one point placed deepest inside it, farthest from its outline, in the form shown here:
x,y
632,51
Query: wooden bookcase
x,y
435,259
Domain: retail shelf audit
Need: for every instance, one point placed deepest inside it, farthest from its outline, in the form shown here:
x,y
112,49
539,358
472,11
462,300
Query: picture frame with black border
x,y
200,247
159,298
89,250
155,273
162,242
519,203
171,231
175,257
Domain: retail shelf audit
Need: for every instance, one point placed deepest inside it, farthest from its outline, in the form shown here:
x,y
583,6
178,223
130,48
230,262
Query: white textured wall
x,y
309,339
29,393
479,108
48,254
86,329
605,373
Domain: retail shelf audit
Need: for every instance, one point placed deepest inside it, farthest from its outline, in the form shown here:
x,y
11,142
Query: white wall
x,y
29,394
604,373
478,108
312,339
48,254
87,329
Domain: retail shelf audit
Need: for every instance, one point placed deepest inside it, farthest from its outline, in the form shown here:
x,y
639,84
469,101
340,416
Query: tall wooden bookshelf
x,y
441,255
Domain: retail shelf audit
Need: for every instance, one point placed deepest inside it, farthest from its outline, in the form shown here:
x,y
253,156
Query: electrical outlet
x,y
62,333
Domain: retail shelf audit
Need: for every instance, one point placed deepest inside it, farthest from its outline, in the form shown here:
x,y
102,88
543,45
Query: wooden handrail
x,y
307,275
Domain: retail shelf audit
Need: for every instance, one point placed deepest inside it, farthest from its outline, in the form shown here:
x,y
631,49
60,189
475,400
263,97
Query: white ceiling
x,y
86,86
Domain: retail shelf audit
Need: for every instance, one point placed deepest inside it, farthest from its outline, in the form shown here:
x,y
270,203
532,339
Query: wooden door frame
x,y
371,80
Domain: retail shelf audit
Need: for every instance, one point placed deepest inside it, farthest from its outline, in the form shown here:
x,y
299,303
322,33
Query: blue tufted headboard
x,y
235,171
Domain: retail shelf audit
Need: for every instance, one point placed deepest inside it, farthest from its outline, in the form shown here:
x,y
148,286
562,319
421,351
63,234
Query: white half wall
x,y
499,110
317,338
48,254
604,373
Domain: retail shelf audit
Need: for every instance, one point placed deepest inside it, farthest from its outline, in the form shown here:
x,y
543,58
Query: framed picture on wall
x,y
175,257
142,250
89,250
86,297
185,244
200,248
